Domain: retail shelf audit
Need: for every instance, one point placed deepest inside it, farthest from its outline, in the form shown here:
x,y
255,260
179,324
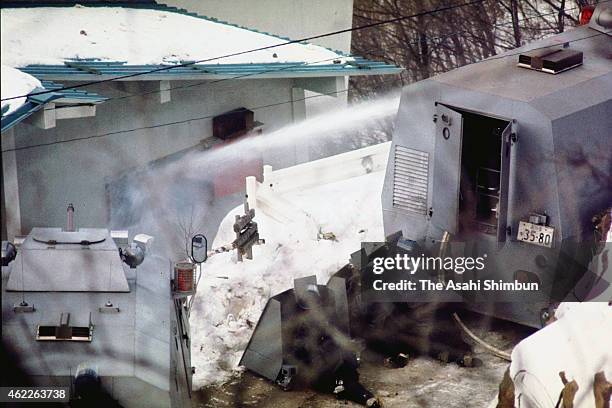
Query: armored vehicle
x,y
507,159
511,158
89,310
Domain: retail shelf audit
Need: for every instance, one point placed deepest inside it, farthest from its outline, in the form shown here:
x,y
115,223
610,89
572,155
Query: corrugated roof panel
x,y
25,110
36,102
99,69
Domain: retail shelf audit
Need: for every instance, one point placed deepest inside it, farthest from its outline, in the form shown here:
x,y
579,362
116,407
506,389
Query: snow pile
x,y
15,82
231,295
51,35
578,343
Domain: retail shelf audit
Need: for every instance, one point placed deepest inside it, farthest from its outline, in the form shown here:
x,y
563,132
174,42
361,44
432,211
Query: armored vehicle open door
x,y
471,172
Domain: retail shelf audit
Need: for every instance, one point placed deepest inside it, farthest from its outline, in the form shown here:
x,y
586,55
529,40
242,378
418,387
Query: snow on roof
x,y
232,295
51,35
15,82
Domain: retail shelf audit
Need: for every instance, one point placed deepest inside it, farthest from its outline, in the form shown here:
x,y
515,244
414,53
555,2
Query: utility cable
x,y
209,83
176,122
280,69
272,104
301,40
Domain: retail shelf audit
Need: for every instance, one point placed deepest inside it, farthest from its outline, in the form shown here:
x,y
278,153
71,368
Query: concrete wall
x,y
49,177
11,223
288,18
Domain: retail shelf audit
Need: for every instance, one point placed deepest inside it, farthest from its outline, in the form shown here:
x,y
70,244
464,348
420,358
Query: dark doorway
x,y
481,174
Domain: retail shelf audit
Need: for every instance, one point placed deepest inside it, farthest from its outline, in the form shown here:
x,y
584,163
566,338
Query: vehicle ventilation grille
x,y
410,179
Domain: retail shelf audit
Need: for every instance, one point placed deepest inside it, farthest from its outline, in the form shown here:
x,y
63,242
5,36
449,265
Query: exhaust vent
x,y
551,60
65,331
410,180
233,124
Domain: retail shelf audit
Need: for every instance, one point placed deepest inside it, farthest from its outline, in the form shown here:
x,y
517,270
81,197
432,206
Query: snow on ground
x,y
15,82
50,35
231,295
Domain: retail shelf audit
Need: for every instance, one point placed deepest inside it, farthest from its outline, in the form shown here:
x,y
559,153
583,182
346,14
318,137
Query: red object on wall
x,y
585,14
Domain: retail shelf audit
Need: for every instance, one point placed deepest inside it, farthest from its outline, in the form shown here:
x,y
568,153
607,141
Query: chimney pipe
x,y
70,218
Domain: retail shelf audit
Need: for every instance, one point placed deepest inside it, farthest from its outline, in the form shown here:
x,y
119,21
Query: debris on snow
x,y
226,311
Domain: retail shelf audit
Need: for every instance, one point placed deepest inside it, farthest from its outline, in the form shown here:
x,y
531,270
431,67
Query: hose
x,y
493,350
443,247
441,278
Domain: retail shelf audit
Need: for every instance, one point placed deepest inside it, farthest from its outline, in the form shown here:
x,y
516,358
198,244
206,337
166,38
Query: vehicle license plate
x,y
535,234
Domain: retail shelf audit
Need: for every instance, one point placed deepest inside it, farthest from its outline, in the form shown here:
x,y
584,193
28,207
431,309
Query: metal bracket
x,y
538,219
286,376
513,132
109,308
24,307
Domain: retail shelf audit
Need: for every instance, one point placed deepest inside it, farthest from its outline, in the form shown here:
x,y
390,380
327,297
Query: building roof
x,y
15,82
69,43
33,103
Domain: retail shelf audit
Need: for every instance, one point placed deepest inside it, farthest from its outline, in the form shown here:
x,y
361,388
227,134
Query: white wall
x,y
49,177
52,176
